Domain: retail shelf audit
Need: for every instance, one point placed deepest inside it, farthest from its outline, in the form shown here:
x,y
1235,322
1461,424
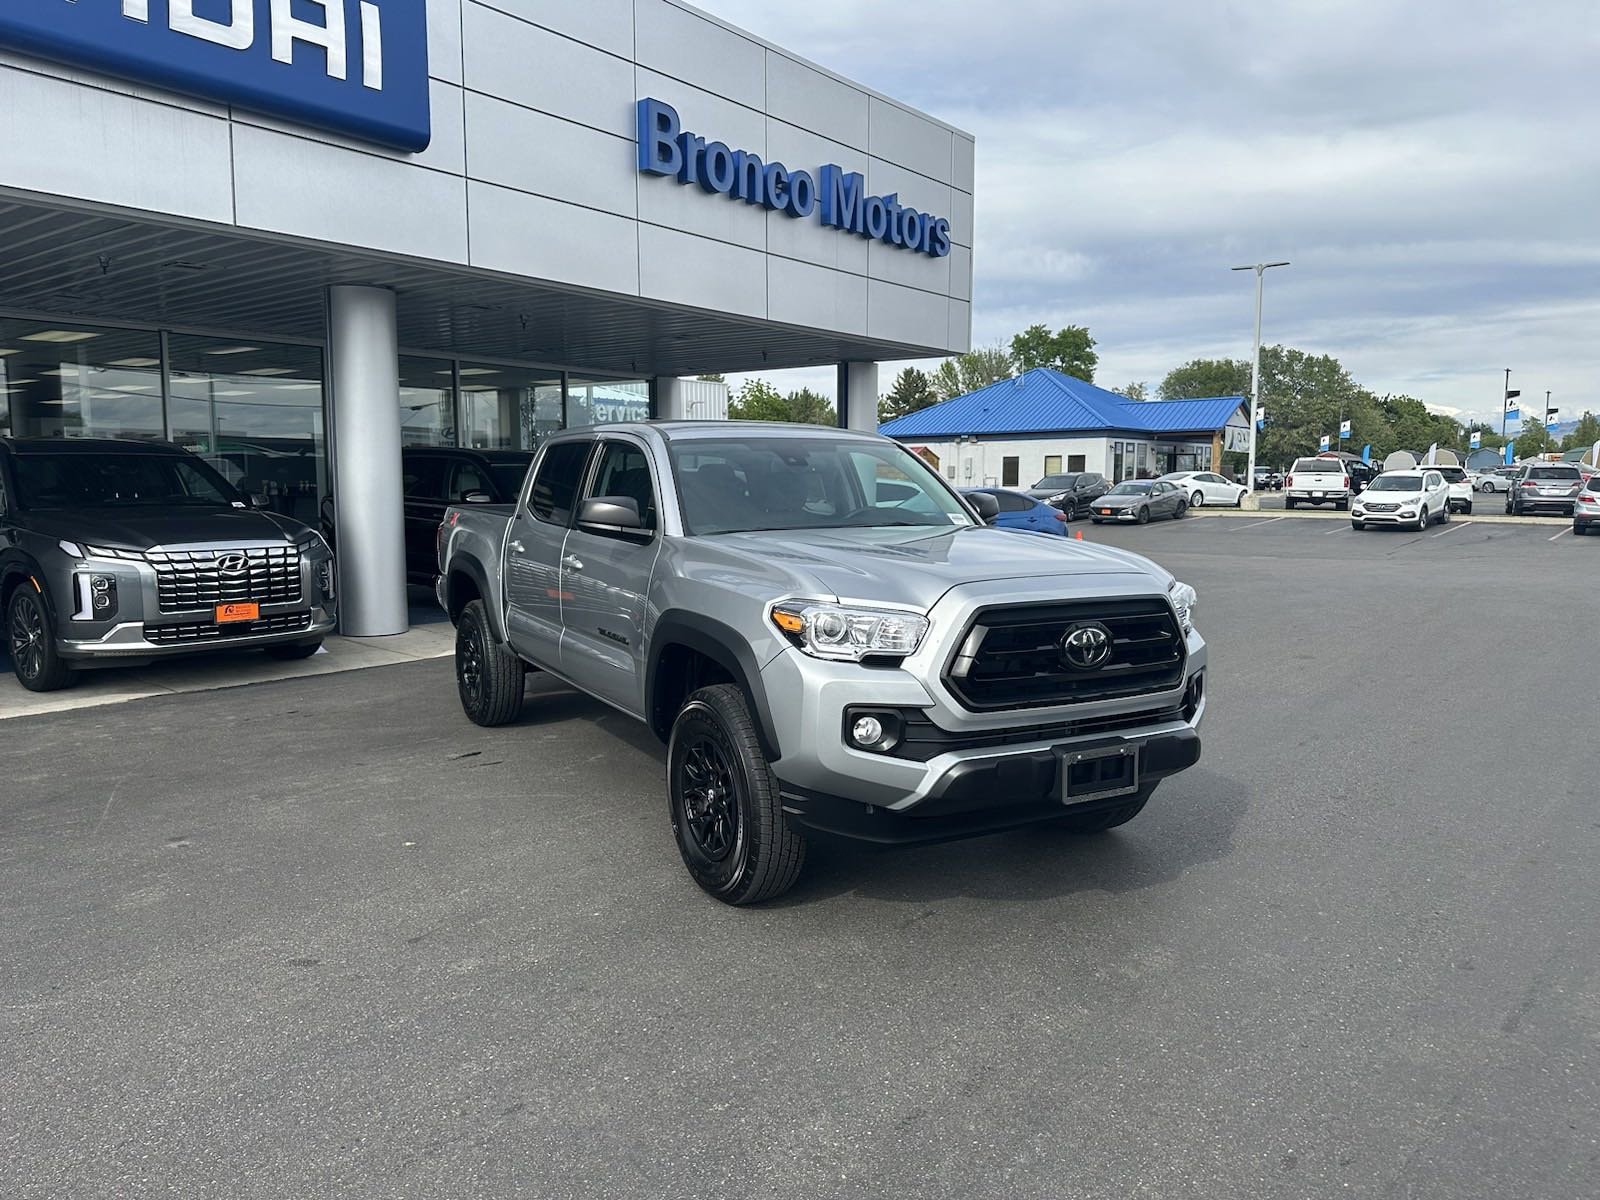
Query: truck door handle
x,y
518,547
572,563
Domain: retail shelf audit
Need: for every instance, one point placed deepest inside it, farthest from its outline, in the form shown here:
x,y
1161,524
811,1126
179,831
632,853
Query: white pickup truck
x,y
1317,481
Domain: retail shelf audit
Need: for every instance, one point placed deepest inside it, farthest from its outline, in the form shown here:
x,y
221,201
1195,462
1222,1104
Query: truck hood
x,y
146,528
917,566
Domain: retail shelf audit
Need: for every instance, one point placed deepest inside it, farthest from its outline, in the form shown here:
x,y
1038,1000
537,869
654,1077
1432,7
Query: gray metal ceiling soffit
x,y
99,267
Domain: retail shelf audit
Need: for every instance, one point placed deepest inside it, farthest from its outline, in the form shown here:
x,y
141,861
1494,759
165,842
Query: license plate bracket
x,y
1097,772
233,614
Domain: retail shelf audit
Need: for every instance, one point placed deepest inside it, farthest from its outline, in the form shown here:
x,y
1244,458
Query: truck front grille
x,y
1013,657
210,631
187,580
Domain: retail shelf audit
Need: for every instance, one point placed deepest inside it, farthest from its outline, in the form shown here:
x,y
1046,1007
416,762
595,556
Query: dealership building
x,y
296,237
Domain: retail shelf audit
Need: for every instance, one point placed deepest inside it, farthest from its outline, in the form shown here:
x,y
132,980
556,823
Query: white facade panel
x,y
444,40
546,239
94,144
966,168
807,99
902,137
109,83
902,314
909,269
961,219
446,152
960,272
515,147
310,189
915,190
685,269
604,24
529,65
960,326
815,298
688,46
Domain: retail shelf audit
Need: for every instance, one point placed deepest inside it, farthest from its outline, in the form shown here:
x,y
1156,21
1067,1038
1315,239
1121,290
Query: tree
x,y
1532,439
971,371
1585,435
912,392
1205,377
1070,350
808,408
758,400
713,378
1135,391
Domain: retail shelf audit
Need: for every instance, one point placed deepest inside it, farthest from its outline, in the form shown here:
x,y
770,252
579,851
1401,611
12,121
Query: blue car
x,y
1018,510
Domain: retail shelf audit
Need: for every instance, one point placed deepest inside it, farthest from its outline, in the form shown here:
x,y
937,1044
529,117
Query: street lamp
x,y
1255,373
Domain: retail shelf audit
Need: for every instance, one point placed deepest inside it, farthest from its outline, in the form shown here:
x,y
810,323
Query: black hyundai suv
x,y
121,552
1072,493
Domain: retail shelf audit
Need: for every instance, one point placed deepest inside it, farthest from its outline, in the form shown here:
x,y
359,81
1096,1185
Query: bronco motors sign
x,y
358,67
839,197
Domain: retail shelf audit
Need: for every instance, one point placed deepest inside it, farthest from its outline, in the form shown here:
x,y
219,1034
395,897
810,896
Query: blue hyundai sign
x,y
357,67
839,198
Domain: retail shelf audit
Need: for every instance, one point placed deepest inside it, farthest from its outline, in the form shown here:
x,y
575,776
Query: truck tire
x,y
489,675
1102,819
31,642
727,816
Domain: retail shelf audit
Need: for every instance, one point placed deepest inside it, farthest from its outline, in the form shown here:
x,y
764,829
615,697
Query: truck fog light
x,y
867,731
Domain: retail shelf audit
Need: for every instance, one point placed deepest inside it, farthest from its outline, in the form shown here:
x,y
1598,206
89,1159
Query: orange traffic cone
x,y
1078,534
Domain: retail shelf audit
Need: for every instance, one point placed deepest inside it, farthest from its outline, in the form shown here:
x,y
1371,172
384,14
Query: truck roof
x,y
690,430
63,445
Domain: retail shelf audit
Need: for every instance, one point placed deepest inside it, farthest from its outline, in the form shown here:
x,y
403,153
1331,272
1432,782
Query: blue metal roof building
x,y
1043,401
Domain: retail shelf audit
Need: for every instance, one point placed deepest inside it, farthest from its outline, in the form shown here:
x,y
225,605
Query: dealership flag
x,y
1261,418
1433,454
1344,430
1477,439
1366,453
1324,444
1511,453
1552,417
1513,413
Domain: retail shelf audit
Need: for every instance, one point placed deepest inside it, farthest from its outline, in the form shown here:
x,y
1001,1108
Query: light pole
x,y
1261,270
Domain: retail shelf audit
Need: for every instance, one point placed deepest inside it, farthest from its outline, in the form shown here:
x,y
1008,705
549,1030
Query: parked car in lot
x,y
1140,501
1586,509
116,553
1403,498
1317,481
1018,510
1268,480
1206,487
1460,488
1545,487
827,637
1498,480
1072,493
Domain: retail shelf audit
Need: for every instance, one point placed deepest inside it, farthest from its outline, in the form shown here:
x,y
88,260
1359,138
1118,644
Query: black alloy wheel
x,y
1183,509
489,676
710,801
1144,515
726,810
30,640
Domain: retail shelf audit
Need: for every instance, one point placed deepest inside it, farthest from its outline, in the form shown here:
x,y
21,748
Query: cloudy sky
x,y
1430,167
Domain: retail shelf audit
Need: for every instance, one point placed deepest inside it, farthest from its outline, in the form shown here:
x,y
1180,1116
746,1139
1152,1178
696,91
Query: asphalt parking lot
x,y
323,937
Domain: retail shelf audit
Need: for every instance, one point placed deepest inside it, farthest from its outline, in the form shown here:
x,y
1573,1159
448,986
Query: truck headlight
x,y
1184,598
846,633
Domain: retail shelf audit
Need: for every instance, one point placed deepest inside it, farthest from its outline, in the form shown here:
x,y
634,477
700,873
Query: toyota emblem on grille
x,y
1086,647
233,564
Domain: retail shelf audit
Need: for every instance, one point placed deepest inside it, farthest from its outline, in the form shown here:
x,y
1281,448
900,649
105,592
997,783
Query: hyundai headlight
x,y
312,543
846,633
1184,598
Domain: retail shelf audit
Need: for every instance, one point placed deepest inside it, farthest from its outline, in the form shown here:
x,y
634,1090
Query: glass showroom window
x,y
508,408
605,402
254,411
77,381
427,402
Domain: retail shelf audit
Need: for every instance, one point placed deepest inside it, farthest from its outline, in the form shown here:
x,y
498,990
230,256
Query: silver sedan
x,y
1140,501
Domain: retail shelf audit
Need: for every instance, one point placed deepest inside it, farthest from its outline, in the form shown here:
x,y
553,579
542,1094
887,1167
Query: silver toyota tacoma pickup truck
x,y
828,638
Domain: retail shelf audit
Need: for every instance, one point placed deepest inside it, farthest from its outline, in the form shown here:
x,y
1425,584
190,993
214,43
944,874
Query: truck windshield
x,y
770,483
118,481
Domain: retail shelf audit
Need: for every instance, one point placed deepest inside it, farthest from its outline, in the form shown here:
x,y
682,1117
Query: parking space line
x,y
1340,529
1253,524
1562,534
1452,527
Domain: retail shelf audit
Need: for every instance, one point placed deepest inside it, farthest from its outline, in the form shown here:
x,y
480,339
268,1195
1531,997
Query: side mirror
x,y
617,515
477,498
985,505
259,500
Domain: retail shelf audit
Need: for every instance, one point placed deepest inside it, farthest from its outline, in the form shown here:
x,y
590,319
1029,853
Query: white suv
x,y
1407,499
1460,488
